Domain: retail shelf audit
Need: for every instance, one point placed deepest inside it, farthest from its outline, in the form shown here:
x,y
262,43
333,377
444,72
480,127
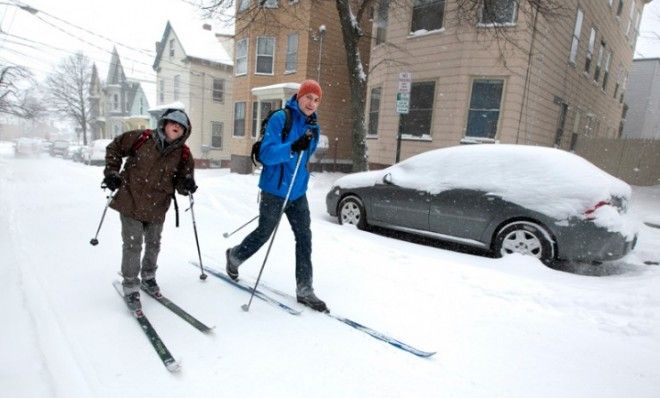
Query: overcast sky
x,y
134,26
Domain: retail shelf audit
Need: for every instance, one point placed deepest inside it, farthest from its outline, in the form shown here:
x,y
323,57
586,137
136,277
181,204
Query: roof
x,y
197,43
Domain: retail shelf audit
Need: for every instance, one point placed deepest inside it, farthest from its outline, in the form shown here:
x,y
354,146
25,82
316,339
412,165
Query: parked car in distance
x,y
539,201
70,151
27,147
95,153
78,155
46,146
59,148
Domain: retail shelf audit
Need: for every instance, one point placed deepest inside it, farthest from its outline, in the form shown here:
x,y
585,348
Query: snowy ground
x,y
501,327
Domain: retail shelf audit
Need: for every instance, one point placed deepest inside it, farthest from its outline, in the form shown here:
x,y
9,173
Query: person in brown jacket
x,y
158,162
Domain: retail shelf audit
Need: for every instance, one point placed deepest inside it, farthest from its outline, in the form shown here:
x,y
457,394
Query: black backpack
x,y
256,147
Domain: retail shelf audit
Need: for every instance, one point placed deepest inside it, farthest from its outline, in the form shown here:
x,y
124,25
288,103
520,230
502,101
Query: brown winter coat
x,y
149,177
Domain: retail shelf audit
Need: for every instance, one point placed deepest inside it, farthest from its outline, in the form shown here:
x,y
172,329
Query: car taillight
x,y
589,213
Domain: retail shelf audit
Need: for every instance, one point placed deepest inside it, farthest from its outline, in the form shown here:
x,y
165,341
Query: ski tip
x,y
174,366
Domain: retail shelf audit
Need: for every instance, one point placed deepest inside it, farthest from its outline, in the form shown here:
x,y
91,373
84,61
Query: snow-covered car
x,y
71,151
59,148
532,200
95,153
27,147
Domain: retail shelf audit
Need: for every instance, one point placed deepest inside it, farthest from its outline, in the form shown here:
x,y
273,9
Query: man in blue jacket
x,y
279,159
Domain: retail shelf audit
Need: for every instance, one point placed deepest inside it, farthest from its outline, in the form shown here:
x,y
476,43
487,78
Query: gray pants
x,y
133,232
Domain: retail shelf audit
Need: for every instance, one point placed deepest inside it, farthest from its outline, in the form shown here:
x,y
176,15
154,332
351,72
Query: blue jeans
x,y
297,212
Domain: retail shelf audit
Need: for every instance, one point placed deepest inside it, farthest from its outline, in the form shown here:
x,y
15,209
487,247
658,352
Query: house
x,y
194,68
643,98
501,74
278,44
119,104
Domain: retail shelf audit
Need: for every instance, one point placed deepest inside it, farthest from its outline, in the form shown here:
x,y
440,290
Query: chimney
x,y
206,26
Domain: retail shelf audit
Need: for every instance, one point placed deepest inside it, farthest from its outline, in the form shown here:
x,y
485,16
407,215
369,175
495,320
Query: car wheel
x,y
525,237
351,211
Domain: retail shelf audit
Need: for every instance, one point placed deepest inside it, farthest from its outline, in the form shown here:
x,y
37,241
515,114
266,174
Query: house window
x,y
498,12
633,39
265,58
243,5
291,53
381,20
141,107
590,50
171,48
266,108
161,93
115,102
239,119
606,69
599,62
427,15
218,90
241,57
374,108
619,9
417,122
216,134
576,36
631,17
484,110
269,3
176,84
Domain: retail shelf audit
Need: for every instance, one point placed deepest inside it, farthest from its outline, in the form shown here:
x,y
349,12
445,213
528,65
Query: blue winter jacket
x,y
274,153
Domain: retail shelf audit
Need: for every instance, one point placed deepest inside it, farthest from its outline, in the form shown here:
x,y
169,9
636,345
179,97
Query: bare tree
x,y
15,100
68,90
355,27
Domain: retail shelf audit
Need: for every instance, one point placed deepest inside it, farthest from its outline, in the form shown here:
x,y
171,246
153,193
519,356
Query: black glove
x,y
189,185
301,143
112,181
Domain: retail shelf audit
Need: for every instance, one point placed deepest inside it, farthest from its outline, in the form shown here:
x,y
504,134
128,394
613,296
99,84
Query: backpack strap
x,y
146,134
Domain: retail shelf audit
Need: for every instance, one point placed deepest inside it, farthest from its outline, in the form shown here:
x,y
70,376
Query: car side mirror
x,y
387,179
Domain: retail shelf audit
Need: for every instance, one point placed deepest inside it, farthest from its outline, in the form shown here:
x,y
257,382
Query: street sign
x,y
403,93
402,103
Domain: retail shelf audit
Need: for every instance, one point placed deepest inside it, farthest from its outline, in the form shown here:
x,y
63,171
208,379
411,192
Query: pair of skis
x,y
279,304
163,353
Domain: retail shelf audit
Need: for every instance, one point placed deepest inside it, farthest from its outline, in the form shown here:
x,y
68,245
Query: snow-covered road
x,y
502,327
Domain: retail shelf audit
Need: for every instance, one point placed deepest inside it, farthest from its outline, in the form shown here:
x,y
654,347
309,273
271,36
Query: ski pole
x,y
199,253
228,234
94,241
246,307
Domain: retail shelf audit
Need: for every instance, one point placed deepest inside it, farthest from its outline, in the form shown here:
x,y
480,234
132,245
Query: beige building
x,y
278,45
544,81
194,68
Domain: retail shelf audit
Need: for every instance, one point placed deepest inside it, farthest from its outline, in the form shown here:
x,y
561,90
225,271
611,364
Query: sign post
x,y
402,105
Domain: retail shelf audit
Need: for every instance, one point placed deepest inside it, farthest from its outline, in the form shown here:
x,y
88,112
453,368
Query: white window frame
x,y
214,124
241,68
423,9
590,50
220,91
176,87
499,109
512,22
291,62
235,118
374,114
171,48
272,56
161,94
577,32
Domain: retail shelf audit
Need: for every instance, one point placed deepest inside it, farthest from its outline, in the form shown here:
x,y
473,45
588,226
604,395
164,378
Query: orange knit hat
x,y
310,86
